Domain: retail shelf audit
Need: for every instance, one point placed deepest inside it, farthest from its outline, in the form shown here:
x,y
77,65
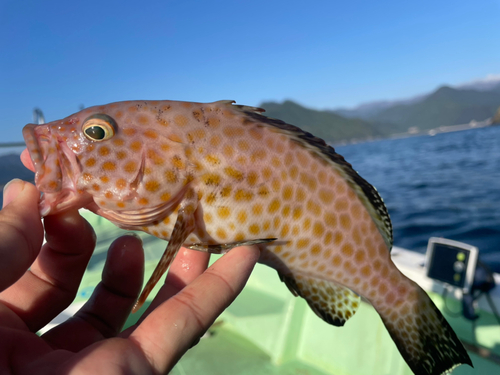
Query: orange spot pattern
x,y
252,181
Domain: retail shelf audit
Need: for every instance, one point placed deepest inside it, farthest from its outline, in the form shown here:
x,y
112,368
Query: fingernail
x,y
10,192
134,235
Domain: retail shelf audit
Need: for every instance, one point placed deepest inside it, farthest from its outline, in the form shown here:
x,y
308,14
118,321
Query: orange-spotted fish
x,y
215,176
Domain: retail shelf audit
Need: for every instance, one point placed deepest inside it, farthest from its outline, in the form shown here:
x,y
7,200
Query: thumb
x,y
21,230
11,190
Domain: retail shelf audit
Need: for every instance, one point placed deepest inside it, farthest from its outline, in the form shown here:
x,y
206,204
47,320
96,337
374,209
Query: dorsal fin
x,y
368,195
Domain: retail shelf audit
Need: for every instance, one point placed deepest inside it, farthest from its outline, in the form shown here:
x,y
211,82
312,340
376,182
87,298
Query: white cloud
x,y
484,83
492,77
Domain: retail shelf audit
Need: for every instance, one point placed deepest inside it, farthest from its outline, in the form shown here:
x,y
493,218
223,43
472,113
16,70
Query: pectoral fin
x,y
225,247
332,302
182,228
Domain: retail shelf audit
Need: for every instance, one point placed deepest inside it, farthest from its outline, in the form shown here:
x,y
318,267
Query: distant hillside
x,y
445,106
324,124
364,111
368,111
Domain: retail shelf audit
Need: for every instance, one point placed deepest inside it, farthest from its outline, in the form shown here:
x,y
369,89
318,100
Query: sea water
x,y
447,185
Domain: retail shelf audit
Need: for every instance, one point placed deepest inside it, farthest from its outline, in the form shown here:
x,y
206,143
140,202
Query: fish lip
x,y
65,195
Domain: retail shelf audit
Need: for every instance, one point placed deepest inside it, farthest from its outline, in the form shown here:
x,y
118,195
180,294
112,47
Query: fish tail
x,y
423,336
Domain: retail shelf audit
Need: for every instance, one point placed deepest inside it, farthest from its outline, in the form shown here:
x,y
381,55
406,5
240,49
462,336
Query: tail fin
x,y
423,336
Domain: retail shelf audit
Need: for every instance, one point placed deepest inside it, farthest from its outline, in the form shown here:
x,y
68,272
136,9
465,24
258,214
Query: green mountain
x,y
324,124
445,106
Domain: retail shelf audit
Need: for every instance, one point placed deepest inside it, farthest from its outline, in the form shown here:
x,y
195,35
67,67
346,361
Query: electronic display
x,y
451,262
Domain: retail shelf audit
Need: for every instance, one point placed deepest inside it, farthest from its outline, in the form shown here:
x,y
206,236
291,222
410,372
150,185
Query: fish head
x,y
109,158
55,164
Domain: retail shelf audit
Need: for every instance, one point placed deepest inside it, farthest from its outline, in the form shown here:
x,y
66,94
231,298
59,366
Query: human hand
x,y
91,341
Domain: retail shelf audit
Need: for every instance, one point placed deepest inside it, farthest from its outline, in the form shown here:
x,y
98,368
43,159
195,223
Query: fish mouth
x,y
56,168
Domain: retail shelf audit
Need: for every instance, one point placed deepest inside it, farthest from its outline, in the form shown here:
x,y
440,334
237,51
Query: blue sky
x,y
58,55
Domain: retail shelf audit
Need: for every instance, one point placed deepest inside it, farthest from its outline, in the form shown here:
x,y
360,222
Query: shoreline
x,y
415,132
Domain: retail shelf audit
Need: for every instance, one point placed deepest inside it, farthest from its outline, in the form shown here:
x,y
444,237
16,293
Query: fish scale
x,y
212,176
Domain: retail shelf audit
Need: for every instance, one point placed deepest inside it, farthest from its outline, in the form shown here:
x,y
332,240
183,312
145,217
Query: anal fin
x,y
225,247
332,302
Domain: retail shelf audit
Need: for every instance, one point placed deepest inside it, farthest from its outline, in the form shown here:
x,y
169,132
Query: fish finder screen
x,y
449,264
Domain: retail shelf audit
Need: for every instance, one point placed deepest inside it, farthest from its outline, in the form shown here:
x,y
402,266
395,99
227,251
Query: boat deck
x,y
269,331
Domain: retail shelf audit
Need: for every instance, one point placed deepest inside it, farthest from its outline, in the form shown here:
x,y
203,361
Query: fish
x,y
213,176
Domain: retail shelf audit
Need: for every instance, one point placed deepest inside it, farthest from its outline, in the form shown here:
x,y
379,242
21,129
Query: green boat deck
x,y
269,331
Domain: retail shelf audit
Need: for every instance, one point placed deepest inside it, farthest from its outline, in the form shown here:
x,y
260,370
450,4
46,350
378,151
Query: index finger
x,y
52,281
168,332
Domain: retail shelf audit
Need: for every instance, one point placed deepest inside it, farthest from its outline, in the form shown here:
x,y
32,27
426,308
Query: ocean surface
x,y
447,186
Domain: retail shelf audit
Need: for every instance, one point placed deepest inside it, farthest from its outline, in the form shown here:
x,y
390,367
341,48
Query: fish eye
x,y
99,127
